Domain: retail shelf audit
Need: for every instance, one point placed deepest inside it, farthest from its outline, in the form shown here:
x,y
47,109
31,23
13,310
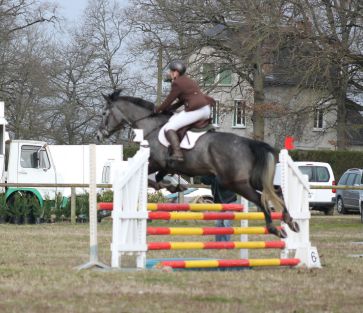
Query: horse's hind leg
x,y
246,191
286,217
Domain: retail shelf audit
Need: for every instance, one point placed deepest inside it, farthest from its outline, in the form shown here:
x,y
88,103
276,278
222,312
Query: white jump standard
x,y
130,213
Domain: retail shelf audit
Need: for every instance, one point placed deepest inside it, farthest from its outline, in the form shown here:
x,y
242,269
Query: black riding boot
x,y
177,154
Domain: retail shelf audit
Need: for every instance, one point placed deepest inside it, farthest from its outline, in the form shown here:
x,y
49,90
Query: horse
x,y
242,165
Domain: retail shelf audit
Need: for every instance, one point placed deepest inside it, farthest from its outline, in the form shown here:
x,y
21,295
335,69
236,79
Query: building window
x,y
318,118
224,75
239,113
208,73
215,114
219,74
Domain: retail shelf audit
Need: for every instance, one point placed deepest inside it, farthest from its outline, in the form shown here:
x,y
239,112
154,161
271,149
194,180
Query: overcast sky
x,y
73,9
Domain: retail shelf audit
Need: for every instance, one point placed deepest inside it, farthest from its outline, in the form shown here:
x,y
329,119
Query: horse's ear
x,y
115,94
107,98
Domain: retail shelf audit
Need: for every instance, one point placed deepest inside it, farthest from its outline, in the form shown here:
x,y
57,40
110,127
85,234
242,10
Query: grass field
x,y
37,275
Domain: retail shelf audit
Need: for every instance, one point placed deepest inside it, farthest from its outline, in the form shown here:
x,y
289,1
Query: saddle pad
x,y
188,141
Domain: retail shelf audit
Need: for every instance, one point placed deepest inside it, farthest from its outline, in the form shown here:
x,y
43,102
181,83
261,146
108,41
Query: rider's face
x,y
174,74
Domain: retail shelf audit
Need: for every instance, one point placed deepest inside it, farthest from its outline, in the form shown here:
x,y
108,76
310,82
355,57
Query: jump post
x,y
130,221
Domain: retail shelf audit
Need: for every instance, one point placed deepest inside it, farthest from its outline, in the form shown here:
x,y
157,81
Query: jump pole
x,y
93,262
183,207
203,231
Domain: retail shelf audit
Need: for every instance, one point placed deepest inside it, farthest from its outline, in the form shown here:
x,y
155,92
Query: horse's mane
x,y
138,101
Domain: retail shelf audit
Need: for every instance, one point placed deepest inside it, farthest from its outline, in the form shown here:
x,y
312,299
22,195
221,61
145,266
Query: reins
x,y
133,123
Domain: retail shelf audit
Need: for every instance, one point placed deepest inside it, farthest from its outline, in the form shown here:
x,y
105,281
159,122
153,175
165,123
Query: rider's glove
x,y
155,110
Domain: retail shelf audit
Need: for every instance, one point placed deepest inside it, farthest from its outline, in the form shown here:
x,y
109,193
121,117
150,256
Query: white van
x,y
321,174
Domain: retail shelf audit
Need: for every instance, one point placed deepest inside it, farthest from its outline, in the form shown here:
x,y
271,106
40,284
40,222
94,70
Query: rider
x,y
197,106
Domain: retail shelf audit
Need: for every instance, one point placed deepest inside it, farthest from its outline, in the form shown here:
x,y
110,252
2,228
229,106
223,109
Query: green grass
x,y
37,275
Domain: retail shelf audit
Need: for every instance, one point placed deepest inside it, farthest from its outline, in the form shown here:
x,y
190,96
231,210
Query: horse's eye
x,y
103,113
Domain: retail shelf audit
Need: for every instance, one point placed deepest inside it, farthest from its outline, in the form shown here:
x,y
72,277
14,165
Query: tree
x,y
17,15
92,62
24,65
75,92
238,33
250,36
25,84
107,34
333,29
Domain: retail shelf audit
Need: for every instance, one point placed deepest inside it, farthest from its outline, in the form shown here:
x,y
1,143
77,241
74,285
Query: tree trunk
x,y
160,77
258,118
339,85
341,122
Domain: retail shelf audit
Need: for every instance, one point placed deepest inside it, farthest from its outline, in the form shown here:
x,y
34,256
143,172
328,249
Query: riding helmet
x,y
178,65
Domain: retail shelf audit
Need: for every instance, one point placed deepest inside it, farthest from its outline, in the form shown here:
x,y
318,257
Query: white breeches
x,y
183,118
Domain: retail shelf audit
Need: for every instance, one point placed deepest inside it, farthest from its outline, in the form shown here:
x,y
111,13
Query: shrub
x,y
156,197
4,211
340,161
106,196
130,150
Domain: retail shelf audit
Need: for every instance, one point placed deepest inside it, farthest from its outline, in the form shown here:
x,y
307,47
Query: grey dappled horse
x,y
242,165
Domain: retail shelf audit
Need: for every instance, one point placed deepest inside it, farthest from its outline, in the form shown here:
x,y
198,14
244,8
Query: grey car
x,y
350,200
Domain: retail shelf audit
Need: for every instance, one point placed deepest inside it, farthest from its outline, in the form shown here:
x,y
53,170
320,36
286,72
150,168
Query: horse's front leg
x,y
153,184
170,187
160,183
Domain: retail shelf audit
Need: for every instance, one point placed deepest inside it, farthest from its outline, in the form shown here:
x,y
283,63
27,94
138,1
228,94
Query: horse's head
x,y
121,110
112,117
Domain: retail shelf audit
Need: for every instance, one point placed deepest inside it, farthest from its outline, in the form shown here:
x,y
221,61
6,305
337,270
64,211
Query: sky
x,y
73,9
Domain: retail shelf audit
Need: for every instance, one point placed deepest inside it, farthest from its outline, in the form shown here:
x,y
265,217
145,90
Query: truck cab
x,y
27,162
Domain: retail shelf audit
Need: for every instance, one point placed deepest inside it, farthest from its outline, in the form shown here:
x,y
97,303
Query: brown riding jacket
x,y
188,93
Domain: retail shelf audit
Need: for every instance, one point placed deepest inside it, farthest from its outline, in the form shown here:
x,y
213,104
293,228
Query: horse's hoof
x,y
181,187
172,189
294,226
283,233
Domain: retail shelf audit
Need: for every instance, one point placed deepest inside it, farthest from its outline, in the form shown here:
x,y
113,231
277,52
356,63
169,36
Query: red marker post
x,y
289,143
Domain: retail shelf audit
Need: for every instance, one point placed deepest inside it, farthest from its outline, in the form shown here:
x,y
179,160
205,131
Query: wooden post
x,y
244,223
93,262
73,205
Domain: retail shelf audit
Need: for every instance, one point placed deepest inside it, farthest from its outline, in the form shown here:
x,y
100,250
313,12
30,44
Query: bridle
x,y
132,124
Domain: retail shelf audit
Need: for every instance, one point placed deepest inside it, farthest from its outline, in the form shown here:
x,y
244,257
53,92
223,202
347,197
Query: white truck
x,y
36,162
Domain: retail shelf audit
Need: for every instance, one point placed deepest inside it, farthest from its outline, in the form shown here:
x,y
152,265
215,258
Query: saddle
x,y
199,126
188,135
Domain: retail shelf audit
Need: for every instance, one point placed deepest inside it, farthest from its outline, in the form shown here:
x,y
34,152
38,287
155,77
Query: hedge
x,y
340,161
129,150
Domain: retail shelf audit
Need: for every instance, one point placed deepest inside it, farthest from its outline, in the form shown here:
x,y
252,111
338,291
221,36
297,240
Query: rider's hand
x,y
155,110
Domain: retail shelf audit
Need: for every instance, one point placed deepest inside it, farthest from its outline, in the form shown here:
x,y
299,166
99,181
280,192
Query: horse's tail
x,y
263,175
